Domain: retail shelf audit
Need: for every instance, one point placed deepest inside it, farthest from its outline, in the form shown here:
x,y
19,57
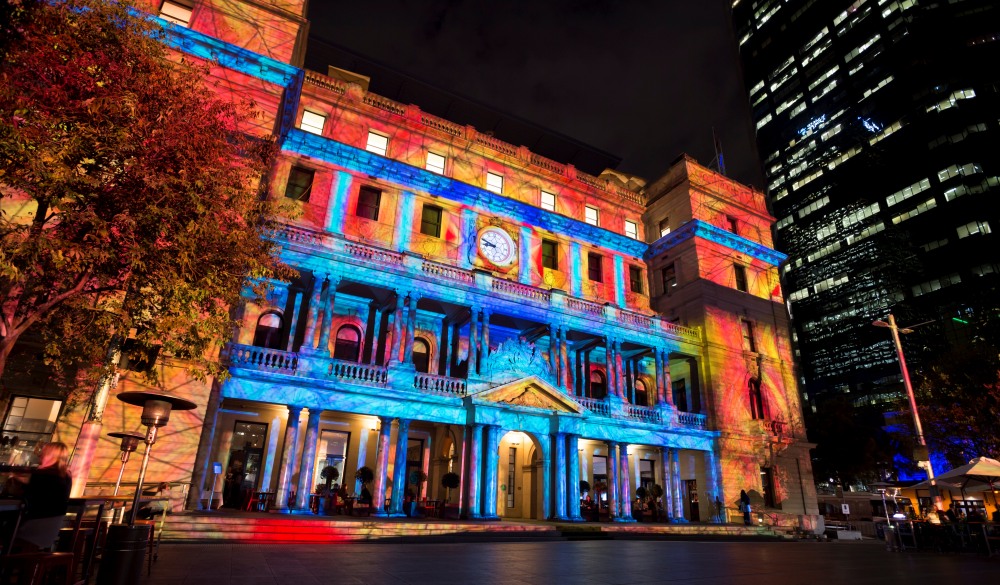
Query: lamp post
x,y
896,330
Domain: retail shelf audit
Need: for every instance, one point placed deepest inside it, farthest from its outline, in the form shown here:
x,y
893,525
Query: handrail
x,y
262,358
435,384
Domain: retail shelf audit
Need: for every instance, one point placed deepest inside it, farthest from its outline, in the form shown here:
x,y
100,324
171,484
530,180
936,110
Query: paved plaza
x,y
565,562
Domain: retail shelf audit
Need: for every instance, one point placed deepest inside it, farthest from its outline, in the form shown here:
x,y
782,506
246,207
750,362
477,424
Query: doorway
x,y
691,489
245,457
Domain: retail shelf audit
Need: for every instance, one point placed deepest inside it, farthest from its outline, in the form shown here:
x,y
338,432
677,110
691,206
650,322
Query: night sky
x,y
644,80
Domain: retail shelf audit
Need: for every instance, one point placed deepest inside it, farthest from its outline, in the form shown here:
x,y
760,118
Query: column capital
x,y
611,444
314,414
385,420
294,411
403,423
487,312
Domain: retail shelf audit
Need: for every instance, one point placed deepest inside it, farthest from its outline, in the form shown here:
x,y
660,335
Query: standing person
x,y
46,498
745,506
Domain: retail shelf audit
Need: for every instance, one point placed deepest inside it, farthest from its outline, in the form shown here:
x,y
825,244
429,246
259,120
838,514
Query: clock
x,y
496,245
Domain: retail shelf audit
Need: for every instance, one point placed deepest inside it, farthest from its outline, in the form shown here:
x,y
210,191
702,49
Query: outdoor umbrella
x,y
981,470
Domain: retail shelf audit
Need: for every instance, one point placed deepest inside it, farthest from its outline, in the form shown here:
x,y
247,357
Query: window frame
x,y
595,267
358,345
494,188
306,192
547,206
740,276
184,4
424,222
550,260
671,270
664,226
733,224
635,229
377,206
434,168
597,215
749,338
374,148
635,279
310,126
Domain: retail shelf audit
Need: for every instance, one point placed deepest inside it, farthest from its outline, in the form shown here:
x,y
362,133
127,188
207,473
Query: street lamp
x,y
896,330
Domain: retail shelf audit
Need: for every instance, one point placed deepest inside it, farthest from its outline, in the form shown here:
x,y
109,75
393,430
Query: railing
x,y
374,254
358,373
313,78
439,384
450,272
547,164
585,306
681,331
496,144
691,419
259,358
643,413
442,125
635,319
520,290
595,405
384,104
297,235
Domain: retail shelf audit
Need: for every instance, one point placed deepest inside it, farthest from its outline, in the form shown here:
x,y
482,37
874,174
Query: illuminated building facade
x,y
466,305
875,122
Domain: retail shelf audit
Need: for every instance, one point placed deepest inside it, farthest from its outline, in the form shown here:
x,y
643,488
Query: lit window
x,y
740,272
594,268
973,228
631,229
664,227
430,221
435,163
377,143
591,215
177,11
548,201
494,183
300,181
30,421
635,279
368,203
550,254
312,122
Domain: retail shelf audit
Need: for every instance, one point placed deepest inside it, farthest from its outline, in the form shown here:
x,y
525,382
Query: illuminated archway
x,y
519,477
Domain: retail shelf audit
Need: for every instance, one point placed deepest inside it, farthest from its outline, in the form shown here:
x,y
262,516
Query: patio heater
x,y
130,442
125,547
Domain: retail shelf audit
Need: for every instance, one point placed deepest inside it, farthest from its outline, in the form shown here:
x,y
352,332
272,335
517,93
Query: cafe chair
x,y
37,568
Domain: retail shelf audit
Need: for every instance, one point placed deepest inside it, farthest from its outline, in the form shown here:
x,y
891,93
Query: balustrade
x,y
635,319
439,384
450,272
521,290
373,254
691,419
384,104
260,358
585,306
643,413
595,405
358,373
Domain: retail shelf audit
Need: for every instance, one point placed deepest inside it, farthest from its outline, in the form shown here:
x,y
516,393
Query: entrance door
x,y
245,458
691,489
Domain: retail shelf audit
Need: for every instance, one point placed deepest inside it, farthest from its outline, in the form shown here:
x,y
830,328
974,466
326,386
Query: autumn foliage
x,y
130,192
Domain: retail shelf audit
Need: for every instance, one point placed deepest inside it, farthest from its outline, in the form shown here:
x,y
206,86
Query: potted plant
x,y
450,481
640,494
417,478
585,502
365,475
330,474
655,493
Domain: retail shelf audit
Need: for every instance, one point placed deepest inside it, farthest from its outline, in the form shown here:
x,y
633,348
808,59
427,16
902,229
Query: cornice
x,y
697,228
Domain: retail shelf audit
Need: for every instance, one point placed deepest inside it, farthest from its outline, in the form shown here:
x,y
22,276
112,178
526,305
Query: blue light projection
x,y
869,125
700,229
362,161
812,125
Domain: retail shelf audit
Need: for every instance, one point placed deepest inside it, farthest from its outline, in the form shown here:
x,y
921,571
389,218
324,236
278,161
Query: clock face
x,y
497,246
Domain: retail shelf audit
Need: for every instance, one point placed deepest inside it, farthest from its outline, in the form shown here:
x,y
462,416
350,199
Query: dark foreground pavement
x,y
566,562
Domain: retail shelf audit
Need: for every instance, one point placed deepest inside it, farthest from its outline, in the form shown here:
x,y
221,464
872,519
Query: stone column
x,y
473,342
327,324
675,466
573,361
559,477
567,376
668,390
573,496
712,487
441,362
308,463
484,346
202,457
381,466
585,384
545,461
447,349
554,351
613,480
288,455
609,369
658,365
293,321
397,332
491,461
399,467
473,475
312,322
668,485
411,327
619,376
376,334
626,484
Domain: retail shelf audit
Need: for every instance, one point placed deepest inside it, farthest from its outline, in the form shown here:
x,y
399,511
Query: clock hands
x,y
489,243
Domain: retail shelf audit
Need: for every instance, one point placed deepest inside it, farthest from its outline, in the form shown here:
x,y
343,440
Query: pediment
x,y
532,392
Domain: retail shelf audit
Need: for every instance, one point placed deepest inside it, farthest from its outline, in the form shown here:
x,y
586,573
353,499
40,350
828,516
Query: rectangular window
x,y
312,122
591,215
368,202
435,163
632,229
635,279
511,476
177,11
740,272
594,268
300,181
31,421
430,221
732,224
669,278
548,201
550,254
767,484
973,228
749,344
664,227
494,183
377,143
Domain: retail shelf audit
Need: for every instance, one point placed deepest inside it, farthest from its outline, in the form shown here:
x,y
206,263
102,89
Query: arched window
x,y
348,344
641,395
421,355
268,331
598,384
756,399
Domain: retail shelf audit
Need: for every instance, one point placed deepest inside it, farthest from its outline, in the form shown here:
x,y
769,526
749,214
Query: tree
x,y
851,447
127,186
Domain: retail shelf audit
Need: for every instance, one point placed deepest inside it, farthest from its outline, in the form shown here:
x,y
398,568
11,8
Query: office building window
x,y
377,143
435,163
300,181
177,11
591,215
664,227
548,201
550,254
740,272
669,278
594,268
368,203
635,279
430,221
749,343
312,122
494,183
632,229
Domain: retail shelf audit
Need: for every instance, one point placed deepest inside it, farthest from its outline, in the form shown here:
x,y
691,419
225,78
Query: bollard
x,y
124,555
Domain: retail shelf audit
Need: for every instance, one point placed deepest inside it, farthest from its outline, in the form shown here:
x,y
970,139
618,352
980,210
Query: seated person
x,y
366,496
46,498
151,510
